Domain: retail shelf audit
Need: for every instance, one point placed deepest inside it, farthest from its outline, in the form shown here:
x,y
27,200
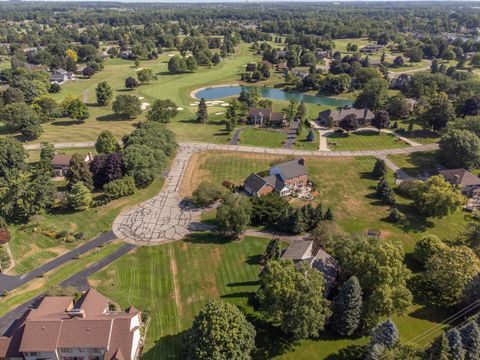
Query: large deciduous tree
x,y
459,148
434,111
162,111
381,120
349,123
106,168
233,215
127,106
373,95
219,331
79,171
106,143
12,157
75,109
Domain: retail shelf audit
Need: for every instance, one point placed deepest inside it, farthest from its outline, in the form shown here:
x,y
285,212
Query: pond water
x,y
214,93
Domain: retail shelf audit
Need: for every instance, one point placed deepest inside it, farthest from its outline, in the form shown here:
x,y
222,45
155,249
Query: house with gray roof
x,y
282,178
463,179
364,116
302,252
265,116
59,76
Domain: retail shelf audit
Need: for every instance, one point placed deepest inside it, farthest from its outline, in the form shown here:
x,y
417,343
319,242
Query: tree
x,y
301,111
88,71
232,115
144,163
191,63
47,152
397,106
471,292
379,266
127,106
470,334
440,349
272,252
72,54
457,352
428,246
12,95
12,157
291,110
154,135
470,108
78,171
233,215
436,197
373,95
435,112
46,107
106,143
145,75
295,298
347,308
398,62
216,59
459,149
219,331
106,168
349,123
79,197
381,120
131,83
380,169
202,112
162,111
415,54
395,216
385,333
311,136
447,272
385,192
104,93
75,109
119,188
31,128
17,114
87,52
177,65
207,193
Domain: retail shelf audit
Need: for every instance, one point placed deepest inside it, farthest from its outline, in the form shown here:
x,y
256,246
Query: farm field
x,y
414,164
363,140
34,243
344,184
263,138
54,277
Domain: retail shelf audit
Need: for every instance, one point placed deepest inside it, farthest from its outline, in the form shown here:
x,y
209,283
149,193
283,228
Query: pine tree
x,y
272,252
347,308
380,169
79,171
202,112
375,352
455,342
470,334
385,333
440,349
385,192
79,197
104,93
328,214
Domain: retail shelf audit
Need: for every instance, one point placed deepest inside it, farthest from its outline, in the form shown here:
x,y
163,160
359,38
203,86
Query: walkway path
x,y
322,136
291,135
400,174
85,96
236,137
164,217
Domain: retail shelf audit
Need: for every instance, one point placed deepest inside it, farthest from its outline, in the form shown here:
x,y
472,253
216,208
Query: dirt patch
x,y
176,286
193,176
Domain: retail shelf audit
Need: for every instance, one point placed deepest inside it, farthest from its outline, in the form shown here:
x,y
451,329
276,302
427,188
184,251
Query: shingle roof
x,y
260,112
298,250
460,177
338,115
40,335
255,182
292,169
61,160
275,182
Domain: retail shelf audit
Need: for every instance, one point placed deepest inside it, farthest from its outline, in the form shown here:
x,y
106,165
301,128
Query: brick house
x,y
282,178
464,179
265,116
364,116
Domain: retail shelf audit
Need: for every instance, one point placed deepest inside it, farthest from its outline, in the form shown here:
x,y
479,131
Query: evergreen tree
x,y
347,308
440,349
202,112
47,152
470,334
78,171
385,333
455,342
471,292
272,252
79,197
328,215
380,169
385,192
375,352
311,136
301,111
104,93
106,143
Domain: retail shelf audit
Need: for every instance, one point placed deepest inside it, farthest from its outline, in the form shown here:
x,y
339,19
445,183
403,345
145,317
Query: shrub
x,y
395,216
407,188
427,246
207,193
120,188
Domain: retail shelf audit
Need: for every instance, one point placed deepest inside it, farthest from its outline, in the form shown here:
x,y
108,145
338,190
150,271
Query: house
x,y
364,116
265,116
371,48
302,252
127,55
61,163
282,66
400,81
61,329
282,178
59,76
464,179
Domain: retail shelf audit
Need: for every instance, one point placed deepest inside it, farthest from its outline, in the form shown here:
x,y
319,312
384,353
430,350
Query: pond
x,y
213,93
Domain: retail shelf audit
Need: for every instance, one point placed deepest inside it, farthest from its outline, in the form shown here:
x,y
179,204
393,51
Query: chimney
x,y
301,161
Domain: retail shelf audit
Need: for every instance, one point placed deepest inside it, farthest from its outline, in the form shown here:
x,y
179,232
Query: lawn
x,y
414,164
263,138
34,155
173,281
32,245
424,64
363,140
54,277
301,142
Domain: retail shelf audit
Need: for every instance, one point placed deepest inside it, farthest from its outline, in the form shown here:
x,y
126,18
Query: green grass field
x,y
363,140
301,142
31,246
414,164
263,138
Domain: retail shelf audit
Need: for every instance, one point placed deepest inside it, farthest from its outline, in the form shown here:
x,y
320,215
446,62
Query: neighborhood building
x,y
302,252
283,179
59,76
364,116
265,116
464,179
61,163
61,329
371,48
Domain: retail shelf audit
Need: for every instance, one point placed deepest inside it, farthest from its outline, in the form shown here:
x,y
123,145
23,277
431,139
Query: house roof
x,y
275,182
298,250
338,115
277,117
460,177
255,182
61,160
40,335
260,112
325,263
4,235
292,169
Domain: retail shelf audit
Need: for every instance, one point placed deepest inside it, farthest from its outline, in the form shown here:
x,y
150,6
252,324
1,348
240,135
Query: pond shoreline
x,y
193,93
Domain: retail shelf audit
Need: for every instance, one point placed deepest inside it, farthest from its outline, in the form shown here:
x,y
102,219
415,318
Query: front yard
x,y
363,140
263,138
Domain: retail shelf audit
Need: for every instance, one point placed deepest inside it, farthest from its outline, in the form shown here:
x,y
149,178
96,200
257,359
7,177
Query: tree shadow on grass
x,y
352,352
111,117
253,259
206,238
413,222
167,347
244,283
67,123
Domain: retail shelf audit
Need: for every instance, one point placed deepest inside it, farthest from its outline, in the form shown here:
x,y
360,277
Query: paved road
x,y
236,137
79,281
291,135
11,282
400,174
